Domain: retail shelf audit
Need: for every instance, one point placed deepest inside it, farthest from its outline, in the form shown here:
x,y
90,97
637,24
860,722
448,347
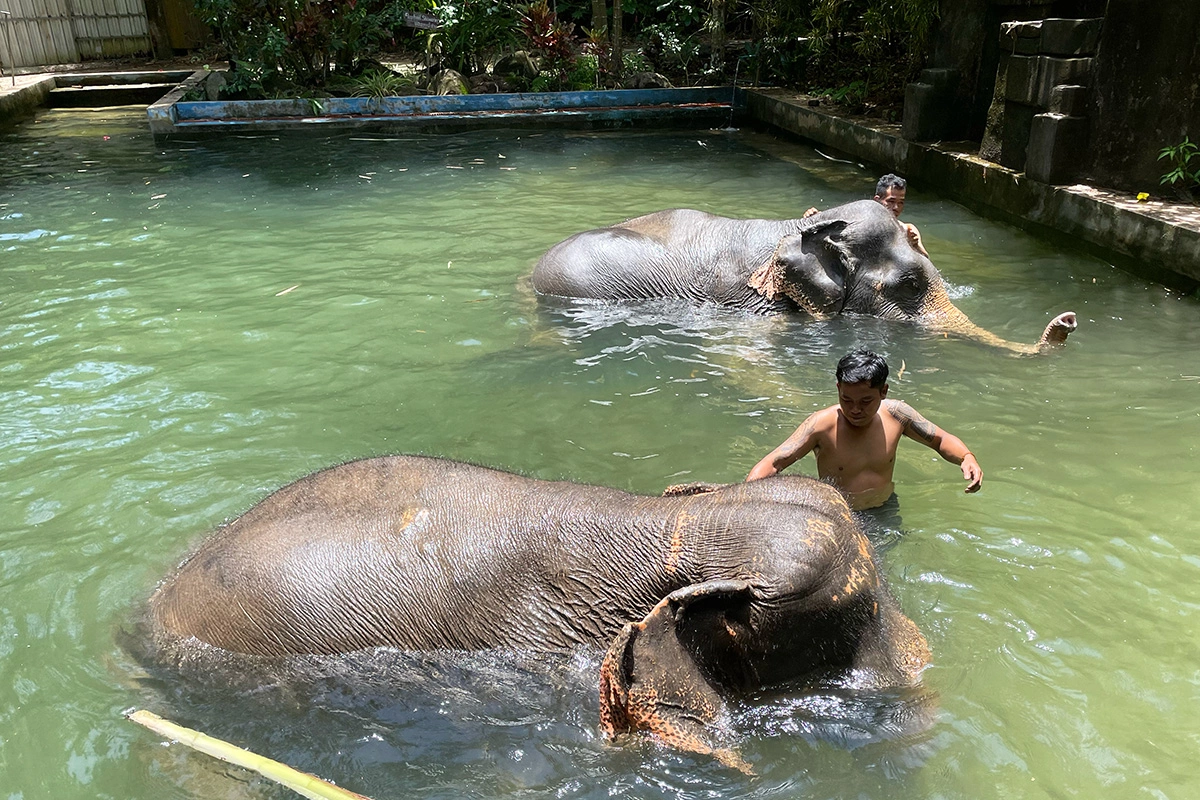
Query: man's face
x,y
893,198
859,402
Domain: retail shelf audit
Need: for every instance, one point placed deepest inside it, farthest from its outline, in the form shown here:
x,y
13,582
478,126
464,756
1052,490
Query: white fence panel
x,y
41,32
36,32
110,28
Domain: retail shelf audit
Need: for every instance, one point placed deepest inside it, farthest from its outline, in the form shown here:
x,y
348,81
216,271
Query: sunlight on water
x,y
184,329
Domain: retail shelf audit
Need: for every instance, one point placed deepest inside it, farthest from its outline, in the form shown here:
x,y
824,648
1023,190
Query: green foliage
x,y
472,31
882,42
867,49
1183,175
382,83
635,62
584,72
852,94
672,45
276,44
549,40
779,47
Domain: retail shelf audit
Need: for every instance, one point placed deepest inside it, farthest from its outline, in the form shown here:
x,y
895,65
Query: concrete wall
x,y
1147,90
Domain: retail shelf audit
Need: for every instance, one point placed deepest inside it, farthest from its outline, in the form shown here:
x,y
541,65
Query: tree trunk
x,y
717,27
617,51
599,17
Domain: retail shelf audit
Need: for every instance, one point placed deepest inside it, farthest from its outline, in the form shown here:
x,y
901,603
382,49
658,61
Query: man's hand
x,y
972,473
914,238
809,213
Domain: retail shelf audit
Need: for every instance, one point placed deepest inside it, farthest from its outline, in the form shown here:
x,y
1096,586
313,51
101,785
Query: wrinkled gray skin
x,y
854,258
698,597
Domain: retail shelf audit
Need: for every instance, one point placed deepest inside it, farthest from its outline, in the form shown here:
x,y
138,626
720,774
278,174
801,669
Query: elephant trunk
x,y
943,315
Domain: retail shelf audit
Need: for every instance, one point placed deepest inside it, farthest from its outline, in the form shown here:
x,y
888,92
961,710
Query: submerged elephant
x,y
699,597
855,258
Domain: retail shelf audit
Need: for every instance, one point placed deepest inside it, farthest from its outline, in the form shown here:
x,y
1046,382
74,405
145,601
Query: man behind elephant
x,y
855,440
890,191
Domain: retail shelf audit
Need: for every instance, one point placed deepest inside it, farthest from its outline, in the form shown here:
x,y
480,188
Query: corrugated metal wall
x,y
41,32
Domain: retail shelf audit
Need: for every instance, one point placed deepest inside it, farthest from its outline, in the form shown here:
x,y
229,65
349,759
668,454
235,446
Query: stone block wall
x,y
1037,122
1139,73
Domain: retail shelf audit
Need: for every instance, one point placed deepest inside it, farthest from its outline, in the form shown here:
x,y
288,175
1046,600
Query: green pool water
x,y
183,330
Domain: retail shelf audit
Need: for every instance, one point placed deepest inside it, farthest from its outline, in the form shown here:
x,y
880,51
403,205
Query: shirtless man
x,y
890,191
855,440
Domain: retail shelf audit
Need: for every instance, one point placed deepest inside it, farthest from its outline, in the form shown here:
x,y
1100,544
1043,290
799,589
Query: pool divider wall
x,y
699,105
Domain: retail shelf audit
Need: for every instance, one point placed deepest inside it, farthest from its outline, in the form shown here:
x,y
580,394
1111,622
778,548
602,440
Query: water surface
x,y
183,330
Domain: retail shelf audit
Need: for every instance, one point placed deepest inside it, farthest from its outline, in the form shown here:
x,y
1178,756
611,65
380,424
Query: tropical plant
x,y
276,44
471,32
382,83
882,42
549,39
852,94
673,44
1183,177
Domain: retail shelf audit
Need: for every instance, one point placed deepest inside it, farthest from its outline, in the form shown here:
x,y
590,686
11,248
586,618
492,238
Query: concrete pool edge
x,y
172,117
1140,238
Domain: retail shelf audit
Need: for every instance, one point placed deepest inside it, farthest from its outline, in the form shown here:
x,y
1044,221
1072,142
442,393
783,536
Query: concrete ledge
x,y
700,106
24,94
24,97
1141,238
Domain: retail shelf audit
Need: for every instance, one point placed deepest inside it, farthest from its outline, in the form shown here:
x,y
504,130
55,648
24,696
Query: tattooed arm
x,y
795,447
947,445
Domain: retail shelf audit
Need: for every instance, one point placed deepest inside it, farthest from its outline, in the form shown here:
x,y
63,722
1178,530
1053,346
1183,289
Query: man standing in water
x,y
890,191
855,440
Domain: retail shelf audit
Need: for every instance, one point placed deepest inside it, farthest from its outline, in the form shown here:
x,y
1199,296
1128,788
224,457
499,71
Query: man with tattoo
x,y
855,440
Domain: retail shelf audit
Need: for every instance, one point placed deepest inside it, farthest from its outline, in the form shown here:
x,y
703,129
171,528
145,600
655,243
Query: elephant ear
x,y
806,267
668,674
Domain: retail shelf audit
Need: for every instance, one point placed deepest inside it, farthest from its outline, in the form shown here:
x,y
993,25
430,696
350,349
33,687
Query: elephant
x,y
855,258
701,596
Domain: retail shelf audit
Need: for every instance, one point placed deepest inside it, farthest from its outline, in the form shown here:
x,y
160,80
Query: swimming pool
x,y
185,329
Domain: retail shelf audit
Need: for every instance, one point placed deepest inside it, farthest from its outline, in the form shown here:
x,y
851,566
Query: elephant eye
x,y
907,285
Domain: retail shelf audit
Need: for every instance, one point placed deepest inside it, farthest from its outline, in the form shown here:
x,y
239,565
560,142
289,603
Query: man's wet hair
x,y
889,181
863,366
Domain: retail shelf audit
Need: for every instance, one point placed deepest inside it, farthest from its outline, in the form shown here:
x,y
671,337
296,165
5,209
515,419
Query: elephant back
x,y
676,253
414,553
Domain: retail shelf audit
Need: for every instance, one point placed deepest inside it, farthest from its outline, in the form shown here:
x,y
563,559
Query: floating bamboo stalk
x,y
302,783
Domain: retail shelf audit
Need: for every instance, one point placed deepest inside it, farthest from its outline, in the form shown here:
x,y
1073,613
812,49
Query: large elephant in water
x,y
699,597
854,258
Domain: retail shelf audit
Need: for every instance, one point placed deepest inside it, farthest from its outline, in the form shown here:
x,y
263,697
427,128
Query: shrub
x,y
472,32
1183,177
276,44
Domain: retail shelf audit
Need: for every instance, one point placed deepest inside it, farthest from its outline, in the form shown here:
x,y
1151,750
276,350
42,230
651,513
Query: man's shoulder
x,y
826,416
900,411
822,420
898,407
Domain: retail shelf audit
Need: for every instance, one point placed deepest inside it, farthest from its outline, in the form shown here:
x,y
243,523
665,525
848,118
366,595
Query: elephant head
x,y
857,259
796,618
